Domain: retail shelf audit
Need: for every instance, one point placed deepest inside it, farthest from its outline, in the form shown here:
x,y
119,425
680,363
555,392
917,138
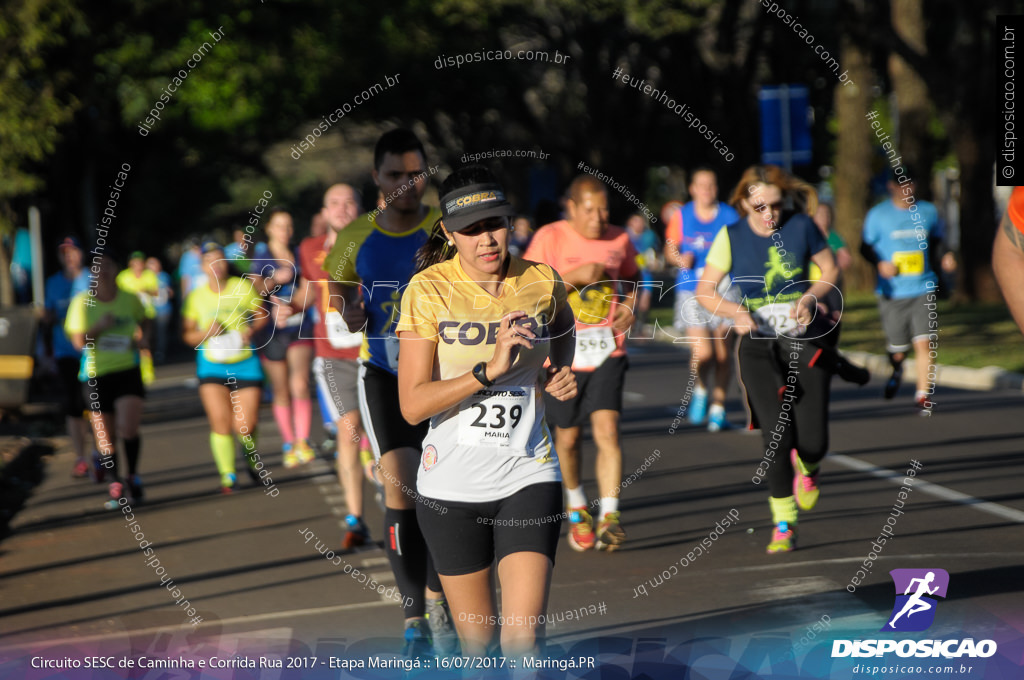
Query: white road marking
x,y
931,489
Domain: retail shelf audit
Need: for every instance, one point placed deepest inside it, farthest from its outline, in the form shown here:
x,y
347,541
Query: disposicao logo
x,y
914,610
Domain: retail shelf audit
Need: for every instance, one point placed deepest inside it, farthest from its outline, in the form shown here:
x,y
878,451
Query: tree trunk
x,y
913,103
854,147
6,283
977,213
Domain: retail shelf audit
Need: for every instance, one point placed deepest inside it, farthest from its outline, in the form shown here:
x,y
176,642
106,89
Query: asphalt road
x,y
74,582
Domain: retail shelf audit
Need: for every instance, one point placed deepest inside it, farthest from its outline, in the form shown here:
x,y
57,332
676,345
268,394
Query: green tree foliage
x,y
230,130
34,103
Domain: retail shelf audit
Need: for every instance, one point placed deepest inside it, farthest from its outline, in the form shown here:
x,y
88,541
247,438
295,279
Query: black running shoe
x,y
892,385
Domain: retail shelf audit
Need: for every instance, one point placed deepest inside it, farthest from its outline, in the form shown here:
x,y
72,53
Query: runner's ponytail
x,y
435,250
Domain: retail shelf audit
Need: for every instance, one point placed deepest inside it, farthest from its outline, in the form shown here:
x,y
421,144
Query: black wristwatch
x,y
480,373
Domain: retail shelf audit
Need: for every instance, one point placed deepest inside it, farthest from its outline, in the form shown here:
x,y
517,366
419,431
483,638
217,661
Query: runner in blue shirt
x,y
688,238
60,288
901,238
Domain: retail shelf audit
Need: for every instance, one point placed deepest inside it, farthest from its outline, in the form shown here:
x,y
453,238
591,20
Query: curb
x,y
960,377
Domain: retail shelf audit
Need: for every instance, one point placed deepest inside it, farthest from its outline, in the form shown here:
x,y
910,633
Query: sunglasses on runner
x,y
759,207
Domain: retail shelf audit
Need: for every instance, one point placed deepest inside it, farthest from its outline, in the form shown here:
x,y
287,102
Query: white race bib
x,y
337,332
113,343
593,346
391,350
780,317
498,417
225,348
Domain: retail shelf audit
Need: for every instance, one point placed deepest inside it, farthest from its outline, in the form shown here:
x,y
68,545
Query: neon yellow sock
x,y
146,368
223,448
248,442
783,510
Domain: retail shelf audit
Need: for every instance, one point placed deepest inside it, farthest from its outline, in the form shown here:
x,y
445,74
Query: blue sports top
x,y
901,237
383,263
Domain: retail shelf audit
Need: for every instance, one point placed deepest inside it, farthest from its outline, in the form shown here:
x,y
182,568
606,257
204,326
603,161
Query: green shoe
x,y
805,487
783,538
610,535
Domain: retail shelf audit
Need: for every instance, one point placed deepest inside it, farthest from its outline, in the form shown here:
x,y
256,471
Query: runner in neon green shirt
x,y
110,326
219,318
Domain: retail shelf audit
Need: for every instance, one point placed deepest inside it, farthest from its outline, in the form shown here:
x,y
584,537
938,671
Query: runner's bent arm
x,y
560,381
673,250
583,276
421,396
624,314
352,309
300,294
677,258
885,269
146,326
563,338
707,295
824,285
1008,263
194,336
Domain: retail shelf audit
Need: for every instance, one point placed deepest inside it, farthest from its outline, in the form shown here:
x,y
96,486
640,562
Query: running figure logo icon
x,y
914,611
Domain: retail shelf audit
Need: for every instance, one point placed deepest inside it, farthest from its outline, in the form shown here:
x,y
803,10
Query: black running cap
x,y
464,207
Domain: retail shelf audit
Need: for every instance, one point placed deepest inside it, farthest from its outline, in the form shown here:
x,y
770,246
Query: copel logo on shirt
x,y
475,333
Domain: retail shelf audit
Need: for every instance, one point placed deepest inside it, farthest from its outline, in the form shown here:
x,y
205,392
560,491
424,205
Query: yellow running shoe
x,y
610,535
304,452
291,457
805,487
783,538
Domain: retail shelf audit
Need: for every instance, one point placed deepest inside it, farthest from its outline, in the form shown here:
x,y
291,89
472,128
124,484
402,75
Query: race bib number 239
x,y
499,417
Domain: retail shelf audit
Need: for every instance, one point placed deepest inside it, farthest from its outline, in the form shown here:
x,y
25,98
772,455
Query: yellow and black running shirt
x,y
496,442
